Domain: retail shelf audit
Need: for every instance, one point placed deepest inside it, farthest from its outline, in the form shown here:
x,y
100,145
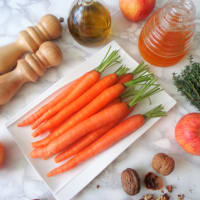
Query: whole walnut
x,y
130,181
163,164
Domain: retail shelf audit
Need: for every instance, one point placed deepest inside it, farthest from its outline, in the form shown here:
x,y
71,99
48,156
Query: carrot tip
x,y
56,160
21,124
24,123
50,174
34,145
36,133
33,155
33,127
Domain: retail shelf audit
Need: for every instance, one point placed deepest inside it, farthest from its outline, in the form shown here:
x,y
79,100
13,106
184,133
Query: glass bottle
x,y
89,22
167,35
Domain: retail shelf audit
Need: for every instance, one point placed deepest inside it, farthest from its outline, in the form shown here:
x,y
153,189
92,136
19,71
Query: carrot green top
x,y
141,88
109,60
139,69
122,70
155,112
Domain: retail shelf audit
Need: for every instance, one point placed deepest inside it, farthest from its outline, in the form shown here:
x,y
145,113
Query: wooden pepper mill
x,y
29,69
48,28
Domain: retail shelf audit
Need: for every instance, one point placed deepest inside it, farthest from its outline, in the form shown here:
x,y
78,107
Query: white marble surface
x,y
19,182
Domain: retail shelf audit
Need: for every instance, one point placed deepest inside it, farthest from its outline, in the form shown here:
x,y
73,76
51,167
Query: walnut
x,y
169,188
148,197
164,197
181,197
163,164
130,181
152,181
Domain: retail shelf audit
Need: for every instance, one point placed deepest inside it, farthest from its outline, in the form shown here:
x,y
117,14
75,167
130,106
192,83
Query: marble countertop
x,y
17,179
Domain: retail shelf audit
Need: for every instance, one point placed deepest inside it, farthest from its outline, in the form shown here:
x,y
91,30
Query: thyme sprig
x,y
188,82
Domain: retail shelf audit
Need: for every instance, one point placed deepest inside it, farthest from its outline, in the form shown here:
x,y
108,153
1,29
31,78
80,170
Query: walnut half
x,y
152,181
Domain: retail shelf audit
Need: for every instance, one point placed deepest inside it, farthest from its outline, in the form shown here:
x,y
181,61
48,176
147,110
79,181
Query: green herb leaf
x,y
188,82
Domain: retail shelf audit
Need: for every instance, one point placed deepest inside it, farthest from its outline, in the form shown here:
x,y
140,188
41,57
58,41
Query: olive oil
x,y
89,22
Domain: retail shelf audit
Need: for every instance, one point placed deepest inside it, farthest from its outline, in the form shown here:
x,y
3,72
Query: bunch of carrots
x,y
90,114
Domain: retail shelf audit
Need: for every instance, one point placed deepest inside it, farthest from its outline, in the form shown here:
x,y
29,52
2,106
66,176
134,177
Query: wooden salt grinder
x,y
48,28
29,69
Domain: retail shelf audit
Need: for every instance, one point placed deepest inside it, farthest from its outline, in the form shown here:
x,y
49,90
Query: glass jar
x,y
167,35
89,22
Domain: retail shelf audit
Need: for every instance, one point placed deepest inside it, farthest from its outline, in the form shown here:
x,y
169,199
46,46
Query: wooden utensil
x,y
48,28
29,69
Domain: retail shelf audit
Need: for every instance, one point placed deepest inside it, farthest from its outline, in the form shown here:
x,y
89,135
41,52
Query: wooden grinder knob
x,y
48,28
29,69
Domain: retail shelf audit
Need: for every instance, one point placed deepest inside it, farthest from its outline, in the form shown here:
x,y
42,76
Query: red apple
x,y
187,133
2,154
136,10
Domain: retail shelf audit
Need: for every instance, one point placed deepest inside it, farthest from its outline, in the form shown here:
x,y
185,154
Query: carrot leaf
x,y
109,60
122,70
129,93
149,89
155,112
139,79
140,68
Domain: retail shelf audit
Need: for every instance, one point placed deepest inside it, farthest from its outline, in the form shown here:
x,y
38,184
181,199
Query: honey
x,y
167,36
89,22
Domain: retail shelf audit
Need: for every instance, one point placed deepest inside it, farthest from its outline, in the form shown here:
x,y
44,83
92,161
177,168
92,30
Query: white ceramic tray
x,y
67,185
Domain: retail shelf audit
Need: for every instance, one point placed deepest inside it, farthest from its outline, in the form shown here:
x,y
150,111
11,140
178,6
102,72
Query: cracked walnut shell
x,y
163,164
130,181
152,181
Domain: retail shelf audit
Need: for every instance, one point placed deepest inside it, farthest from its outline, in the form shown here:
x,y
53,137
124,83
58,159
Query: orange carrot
x,y
92,123
125,78
85,98
141,68
45,141
94,106
115,101
68,137
98,103
64,92
113,136
79,103
83,142
88,139
88,81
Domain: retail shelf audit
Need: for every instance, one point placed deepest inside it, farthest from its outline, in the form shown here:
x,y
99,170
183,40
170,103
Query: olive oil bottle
x,y
89,22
